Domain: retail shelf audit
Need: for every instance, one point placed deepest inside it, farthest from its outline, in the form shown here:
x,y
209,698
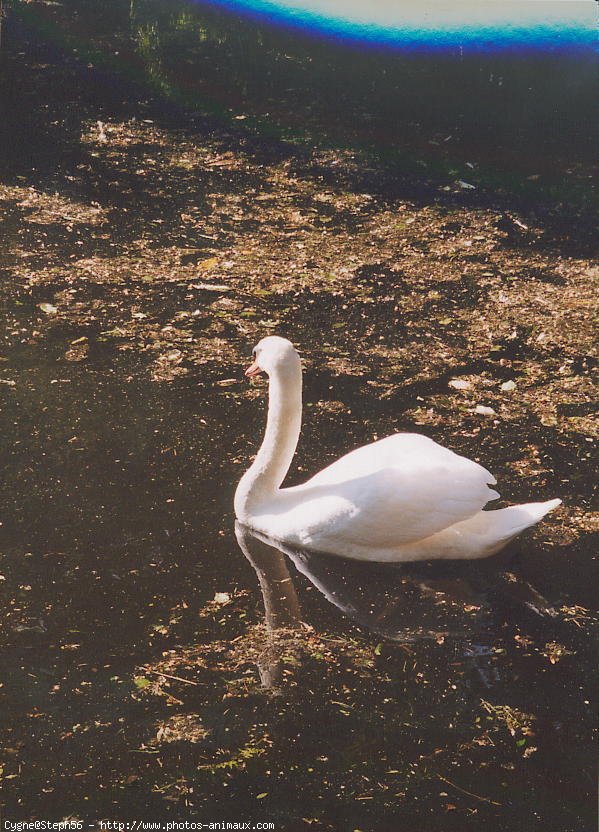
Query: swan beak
x,y
253,370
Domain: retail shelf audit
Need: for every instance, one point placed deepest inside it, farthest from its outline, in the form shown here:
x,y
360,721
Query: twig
x,y
169,676
470,794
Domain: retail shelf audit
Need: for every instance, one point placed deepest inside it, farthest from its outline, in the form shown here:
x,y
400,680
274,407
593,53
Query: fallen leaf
x,y
483,410
209,263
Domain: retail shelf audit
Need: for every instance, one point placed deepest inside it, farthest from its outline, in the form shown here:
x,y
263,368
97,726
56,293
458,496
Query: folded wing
x,y
401,489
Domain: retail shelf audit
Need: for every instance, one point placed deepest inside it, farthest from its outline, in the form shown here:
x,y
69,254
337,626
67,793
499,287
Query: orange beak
x,y
253,370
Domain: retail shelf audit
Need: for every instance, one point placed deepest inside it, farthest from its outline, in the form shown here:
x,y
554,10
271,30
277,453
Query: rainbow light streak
x,y
437,25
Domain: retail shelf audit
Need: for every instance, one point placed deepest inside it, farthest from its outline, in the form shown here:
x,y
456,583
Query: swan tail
x,y
504,524
487,532
517,518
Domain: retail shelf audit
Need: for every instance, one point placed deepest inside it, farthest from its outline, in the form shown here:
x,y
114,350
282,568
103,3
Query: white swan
x,y
399,499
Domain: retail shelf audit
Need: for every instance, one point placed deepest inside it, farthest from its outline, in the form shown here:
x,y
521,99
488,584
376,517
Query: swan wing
x,y
400,489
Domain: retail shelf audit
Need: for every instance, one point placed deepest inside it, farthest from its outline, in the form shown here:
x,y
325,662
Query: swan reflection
x,y
400,602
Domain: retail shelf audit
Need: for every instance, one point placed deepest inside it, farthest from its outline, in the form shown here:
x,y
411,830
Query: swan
x,y
402,498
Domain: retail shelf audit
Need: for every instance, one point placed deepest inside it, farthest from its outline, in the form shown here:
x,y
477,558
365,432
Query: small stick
x,y
470,794
169,676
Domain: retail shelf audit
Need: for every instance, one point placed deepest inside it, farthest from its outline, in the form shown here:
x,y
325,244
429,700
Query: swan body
x,y
403,498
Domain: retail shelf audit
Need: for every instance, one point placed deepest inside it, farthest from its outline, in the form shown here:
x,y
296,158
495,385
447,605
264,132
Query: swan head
x,y
273,355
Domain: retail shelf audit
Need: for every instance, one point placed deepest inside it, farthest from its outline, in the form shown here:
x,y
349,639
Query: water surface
x,y
159,663
384,691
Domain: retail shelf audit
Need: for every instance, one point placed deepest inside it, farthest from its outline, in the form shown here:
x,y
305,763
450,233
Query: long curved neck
x,y
283,426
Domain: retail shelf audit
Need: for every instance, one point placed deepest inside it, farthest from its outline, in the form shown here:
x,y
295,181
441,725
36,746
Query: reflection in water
x,y
403,603
281,605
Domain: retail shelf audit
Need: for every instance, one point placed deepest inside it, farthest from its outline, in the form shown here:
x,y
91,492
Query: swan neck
x,y
283,426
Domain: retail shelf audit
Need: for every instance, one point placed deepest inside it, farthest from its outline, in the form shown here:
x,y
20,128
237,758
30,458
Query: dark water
x,y
316,693
376,710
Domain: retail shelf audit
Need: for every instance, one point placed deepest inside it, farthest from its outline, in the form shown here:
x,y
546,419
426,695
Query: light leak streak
x,y
475,25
